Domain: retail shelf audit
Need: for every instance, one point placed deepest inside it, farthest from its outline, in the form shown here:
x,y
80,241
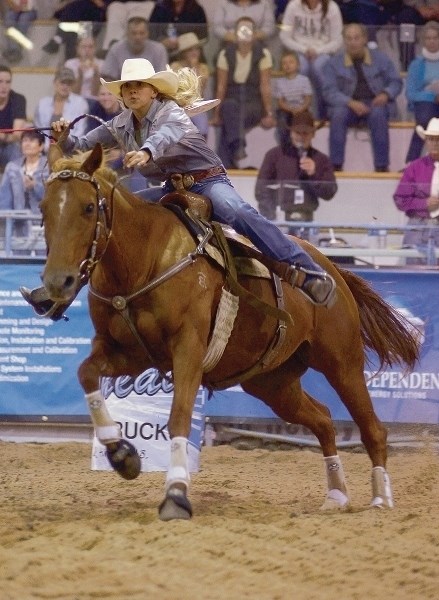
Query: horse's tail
x,y
383,329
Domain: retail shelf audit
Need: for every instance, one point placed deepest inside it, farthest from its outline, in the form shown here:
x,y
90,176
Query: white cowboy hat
x,y
188,40
140,69
431,131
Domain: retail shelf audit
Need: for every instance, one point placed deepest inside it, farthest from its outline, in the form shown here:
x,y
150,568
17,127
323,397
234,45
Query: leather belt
x,y
188,179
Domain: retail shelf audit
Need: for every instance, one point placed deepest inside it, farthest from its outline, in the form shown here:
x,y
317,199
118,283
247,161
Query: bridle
x,y
103,223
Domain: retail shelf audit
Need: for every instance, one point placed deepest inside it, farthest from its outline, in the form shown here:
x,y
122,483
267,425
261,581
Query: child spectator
x,y
292,93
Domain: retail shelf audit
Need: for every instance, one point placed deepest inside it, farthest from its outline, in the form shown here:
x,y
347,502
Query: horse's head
x,y
74,215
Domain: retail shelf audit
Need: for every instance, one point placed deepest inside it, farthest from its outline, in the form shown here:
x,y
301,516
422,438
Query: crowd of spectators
x,y
327,52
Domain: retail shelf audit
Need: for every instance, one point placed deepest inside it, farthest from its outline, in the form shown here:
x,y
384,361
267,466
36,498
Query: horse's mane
x,y
74,163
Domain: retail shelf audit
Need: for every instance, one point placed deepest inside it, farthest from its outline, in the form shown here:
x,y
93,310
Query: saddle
x,y
195,211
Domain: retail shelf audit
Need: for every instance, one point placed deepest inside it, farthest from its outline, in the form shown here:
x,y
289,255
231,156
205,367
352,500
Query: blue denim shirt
x,y
175,144
340,78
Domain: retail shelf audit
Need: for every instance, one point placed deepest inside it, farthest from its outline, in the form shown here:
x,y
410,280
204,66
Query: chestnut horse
x,y
153,301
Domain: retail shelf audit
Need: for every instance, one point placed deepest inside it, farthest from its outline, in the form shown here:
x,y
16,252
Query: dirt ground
x,y
69,533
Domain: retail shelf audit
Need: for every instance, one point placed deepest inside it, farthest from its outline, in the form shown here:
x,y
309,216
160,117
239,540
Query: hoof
x,y
380,502
335,500
175,506
124,459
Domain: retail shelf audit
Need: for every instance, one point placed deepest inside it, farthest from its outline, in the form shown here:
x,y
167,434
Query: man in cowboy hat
x,y
417,193
295,175
159,139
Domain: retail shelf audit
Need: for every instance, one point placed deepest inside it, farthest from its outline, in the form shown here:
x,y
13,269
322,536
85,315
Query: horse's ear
x,y
93,160
54,154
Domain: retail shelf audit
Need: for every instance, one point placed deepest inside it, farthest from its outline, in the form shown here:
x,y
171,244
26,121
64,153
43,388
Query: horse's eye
x,y
90,208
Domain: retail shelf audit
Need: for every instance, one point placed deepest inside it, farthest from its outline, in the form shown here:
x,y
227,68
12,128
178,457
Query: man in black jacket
x,y
296,175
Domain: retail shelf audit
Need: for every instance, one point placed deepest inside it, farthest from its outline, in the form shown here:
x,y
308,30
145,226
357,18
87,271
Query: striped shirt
x,y
293,90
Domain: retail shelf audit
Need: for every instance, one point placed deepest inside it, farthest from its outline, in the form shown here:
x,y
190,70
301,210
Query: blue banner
x,y
39,358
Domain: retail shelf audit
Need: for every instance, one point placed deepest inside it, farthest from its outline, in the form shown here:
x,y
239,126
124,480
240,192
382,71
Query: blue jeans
x,y
314,70
377,120
229,208
423,111
21,21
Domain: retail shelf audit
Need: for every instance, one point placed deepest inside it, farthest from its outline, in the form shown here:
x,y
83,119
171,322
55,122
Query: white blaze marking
x,y
63,202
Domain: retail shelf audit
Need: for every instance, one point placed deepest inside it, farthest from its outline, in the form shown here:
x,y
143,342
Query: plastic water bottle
x,y
382,238
431,251
171,31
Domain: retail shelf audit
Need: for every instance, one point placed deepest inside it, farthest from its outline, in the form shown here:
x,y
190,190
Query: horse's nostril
x,y
70,281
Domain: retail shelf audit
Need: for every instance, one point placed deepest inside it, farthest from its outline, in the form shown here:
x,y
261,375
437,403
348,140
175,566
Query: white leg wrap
x,y
382,496
106,429
337,496
178,469
334,473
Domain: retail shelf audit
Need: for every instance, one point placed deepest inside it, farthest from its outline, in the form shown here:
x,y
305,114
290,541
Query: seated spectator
x,y
244,89
86,67
371,13
119,12
171,18
295,175
190,54
22,185
417,193
12,116
18,14
76,11
292,93
136,45
62,103
360,86
313,29
106,106
227,13
422,86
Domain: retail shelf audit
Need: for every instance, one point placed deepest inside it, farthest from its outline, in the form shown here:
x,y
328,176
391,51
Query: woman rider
x,y
159,140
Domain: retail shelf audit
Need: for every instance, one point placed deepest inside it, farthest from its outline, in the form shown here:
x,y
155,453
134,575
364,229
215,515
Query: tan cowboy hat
x,y
188,40
431,131
140,69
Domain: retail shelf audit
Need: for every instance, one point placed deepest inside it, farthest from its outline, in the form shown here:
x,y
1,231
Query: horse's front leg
x,y
121,454
187,379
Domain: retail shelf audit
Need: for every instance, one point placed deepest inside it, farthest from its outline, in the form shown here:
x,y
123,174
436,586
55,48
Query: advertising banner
x,y
141,407
39,358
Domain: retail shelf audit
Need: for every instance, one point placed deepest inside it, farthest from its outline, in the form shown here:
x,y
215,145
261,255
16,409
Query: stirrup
x,y
43,306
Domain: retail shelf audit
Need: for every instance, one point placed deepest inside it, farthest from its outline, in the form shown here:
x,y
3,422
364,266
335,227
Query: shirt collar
x,y
367,59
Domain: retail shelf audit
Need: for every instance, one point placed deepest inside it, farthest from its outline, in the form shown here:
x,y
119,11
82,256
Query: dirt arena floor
x,y
68,533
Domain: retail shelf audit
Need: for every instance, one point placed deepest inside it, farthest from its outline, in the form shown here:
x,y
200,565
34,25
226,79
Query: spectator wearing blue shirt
x,y
360,86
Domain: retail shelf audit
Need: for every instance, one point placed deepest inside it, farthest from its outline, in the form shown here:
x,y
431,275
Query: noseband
x,y
88,264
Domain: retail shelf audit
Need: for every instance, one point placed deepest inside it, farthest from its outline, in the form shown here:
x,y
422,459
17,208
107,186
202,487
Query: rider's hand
x,y
136,158
58,127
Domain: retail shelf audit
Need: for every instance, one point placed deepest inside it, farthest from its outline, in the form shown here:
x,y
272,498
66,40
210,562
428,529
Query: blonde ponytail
x,y
188,90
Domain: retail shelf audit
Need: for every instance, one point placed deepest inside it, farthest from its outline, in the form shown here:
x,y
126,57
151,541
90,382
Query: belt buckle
x,y
188,181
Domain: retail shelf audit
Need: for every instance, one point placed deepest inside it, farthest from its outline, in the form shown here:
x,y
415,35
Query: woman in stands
x,y
314,29
422,86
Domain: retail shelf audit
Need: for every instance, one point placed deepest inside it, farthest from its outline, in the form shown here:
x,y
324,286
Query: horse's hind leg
x,y
352,389
287,399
